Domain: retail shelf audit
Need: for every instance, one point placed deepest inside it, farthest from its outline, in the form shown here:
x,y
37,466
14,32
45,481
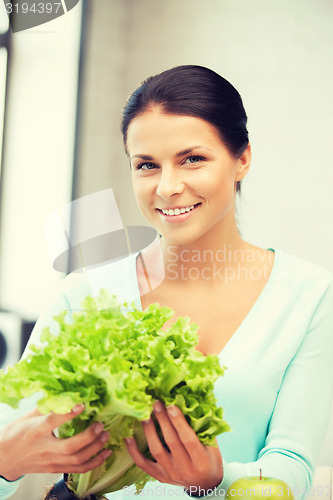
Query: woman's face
x,y
184,178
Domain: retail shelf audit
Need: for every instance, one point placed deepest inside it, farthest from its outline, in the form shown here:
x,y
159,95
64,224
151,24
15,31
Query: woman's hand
x,y
28,445
188,463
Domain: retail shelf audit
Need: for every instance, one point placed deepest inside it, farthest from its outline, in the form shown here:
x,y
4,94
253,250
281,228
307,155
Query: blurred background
x,y
62,88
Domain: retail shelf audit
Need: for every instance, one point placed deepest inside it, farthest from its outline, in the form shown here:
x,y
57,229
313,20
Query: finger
x,y
75,443
83,447
81,468
156,448
54,420
188,437
169,432
87,453
151,468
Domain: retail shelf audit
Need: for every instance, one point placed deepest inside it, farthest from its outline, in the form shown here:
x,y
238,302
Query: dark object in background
x,y
14,335
27,327
3,349
10,339
60,491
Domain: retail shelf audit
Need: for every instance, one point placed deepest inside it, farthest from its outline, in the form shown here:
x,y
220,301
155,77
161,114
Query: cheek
x,y
141,192
217,189
219,179
136,186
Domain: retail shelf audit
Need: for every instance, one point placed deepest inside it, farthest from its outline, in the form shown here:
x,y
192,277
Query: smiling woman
x,y
266,314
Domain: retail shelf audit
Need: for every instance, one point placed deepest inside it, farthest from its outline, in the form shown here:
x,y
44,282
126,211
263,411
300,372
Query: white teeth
x,y
177,211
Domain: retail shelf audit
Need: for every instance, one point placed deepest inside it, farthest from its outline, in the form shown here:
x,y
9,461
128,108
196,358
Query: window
x,y
37,166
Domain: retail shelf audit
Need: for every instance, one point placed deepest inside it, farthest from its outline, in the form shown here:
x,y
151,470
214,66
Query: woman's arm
x,y
28,445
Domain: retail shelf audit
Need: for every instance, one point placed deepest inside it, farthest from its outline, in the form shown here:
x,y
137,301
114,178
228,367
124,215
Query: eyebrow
x,y
180,153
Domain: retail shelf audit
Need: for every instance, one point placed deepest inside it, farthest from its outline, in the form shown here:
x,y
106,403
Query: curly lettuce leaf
x,y
117,361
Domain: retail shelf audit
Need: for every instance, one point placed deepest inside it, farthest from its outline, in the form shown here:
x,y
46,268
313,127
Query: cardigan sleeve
x,y
301,414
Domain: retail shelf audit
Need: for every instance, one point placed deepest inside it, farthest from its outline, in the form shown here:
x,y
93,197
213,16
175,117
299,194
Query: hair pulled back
x,y
193,91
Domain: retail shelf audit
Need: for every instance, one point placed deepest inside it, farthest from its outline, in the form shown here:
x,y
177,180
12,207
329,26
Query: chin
x,y
183,238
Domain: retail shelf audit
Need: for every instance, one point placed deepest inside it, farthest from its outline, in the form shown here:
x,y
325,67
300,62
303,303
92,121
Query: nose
x,y
169,183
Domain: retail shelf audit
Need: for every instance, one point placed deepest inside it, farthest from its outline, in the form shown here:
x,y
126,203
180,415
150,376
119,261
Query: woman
x,y
266,315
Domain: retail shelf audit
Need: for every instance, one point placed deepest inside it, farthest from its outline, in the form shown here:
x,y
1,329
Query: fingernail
x,y
158,406
146,421
106,453
104,436
129,441
78,408
173,411
98,427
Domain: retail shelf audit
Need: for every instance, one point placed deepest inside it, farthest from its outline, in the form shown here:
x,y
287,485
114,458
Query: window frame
x,y
5,42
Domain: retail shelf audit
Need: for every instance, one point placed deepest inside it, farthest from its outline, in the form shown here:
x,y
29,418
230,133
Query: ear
x,y
243,164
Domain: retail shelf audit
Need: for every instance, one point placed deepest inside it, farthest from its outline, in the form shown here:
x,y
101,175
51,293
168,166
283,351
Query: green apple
x,y
258,486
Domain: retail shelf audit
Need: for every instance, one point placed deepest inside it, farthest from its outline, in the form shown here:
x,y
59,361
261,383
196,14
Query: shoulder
x,y
297,270
305,281
302,292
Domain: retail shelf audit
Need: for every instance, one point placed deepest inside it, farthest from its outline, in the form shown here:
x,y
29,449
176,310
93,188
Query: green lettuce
x,y
117,361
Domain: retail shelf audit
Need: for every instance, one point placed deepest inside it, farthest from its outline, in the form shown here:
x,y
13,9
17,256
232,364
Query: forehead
x,y
156,129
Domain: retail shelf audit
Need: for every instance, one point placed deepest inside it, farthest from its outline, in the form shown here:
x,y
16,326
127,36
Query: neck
x,y
219,248
217,252
201,256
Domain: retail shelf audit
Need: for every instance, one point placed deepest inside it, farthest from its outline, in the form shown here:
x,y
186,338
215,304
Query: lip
x,y
180,217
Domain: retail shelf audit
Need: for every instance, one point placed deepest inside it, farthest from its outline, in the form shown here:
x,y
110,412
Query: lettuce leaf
x,y
117,361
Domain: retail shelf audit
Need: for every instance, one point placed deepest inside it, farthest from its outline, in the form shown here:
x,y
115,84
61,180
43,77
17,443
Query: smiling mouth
x,y
177,211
